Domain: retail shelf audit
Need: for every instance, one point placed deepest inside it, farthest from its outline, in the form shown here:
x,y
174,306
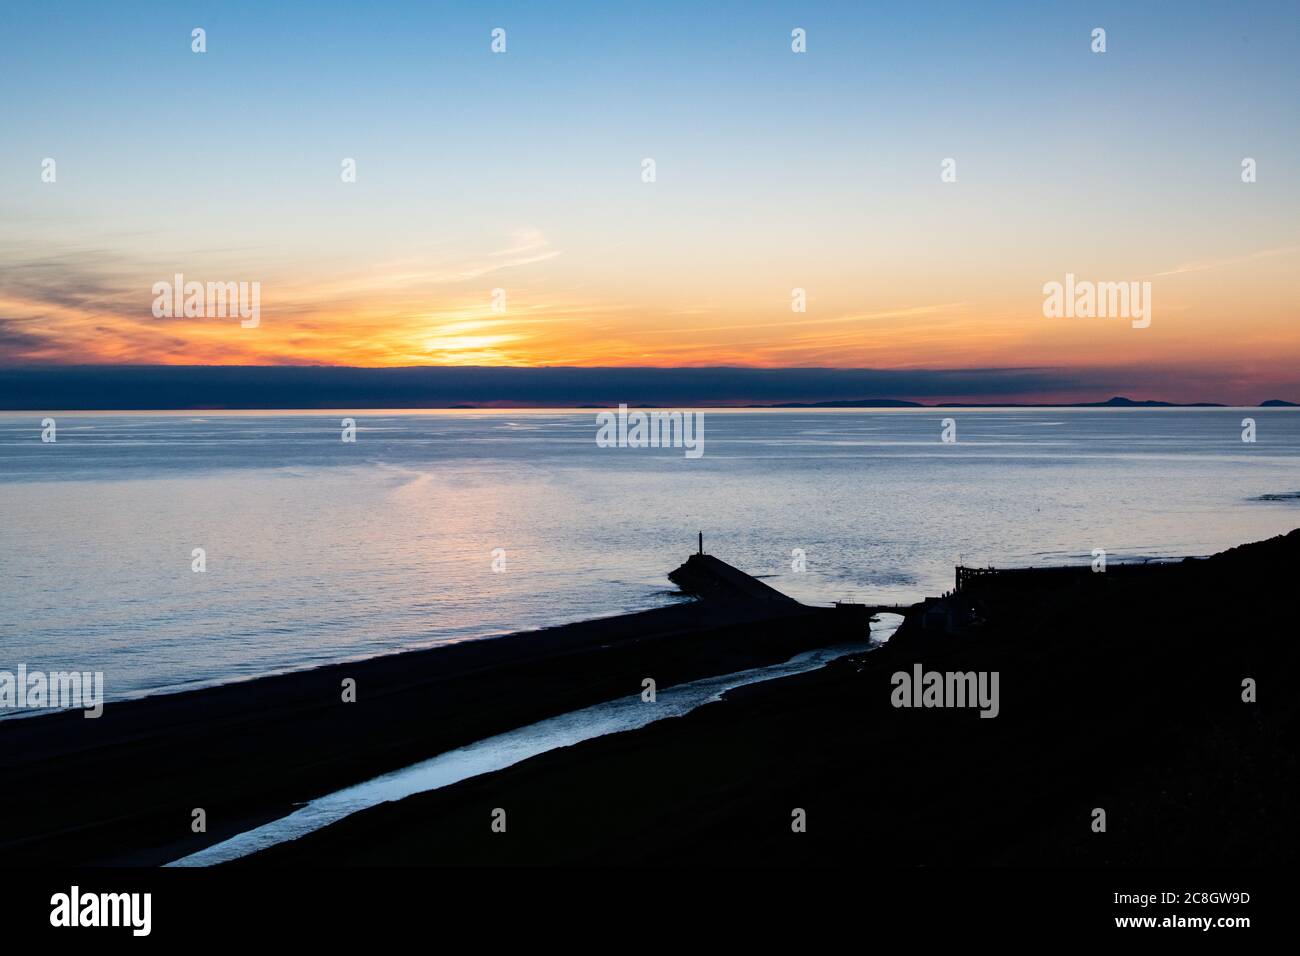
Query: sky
x,y
499,214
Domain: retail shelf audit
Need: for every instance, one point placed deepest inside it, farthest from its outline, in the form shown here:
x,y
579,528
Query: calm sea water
x,y
319,550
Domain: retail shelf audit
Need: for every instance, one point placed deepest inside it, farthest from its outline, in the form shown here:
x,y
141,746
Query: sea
x,y
179,550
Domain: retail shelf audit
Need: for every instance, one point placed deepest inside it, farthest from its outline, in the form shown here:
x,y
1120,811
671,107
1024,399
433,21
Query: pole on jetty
x,y
701,542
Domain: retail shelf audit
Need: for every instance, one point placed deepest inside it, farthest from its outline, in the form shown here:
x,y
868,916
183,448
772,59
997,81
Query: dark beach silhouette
x,y
247,752
1120,690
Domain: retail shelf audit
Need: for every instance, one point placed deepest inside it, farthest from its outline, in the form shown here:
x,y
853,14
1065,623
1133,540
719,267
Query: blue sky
x,y
817,169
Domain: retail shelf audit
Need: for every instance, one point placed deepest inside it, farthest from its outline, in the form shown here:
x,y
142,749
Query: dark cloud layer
x,y
170,387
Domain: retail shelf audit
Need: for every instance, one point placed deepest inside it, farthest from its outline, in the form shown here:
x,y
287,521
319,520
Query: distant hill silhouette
x,y
1117,402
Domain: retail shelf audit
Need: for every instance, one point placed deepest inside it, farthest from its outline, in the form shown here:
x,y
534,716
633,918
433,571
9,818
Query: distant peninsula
x,y
1118,401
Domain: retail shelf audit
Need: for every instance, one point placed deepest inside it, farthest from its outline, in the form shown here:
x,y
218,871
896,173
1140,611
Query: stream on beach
x,y
505,750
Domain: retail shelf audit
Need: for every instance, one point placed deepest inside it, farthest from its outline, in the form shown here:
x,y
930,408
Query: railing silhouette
x,y
969,577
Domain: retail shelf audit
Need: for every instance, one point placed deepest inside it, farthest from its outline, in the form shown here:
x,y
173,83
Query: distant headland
x,y
1117,402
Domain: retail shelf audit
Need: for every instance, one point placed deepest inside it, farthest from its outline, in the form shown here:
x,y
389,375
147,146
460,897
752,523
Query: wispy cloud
x,y
86,304
1207,265
802,320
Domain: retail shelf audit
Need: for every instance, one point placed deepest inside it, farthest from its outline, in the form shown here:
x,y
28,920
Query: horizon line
x,y
133,387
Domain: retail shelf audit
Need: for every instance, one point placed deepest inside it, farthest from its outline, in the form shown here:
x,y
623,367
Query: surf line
x,y
505,750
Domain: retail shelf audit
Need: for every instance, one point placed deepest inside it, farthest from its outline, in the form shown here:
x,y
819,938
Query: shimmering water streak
x,y
504,750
